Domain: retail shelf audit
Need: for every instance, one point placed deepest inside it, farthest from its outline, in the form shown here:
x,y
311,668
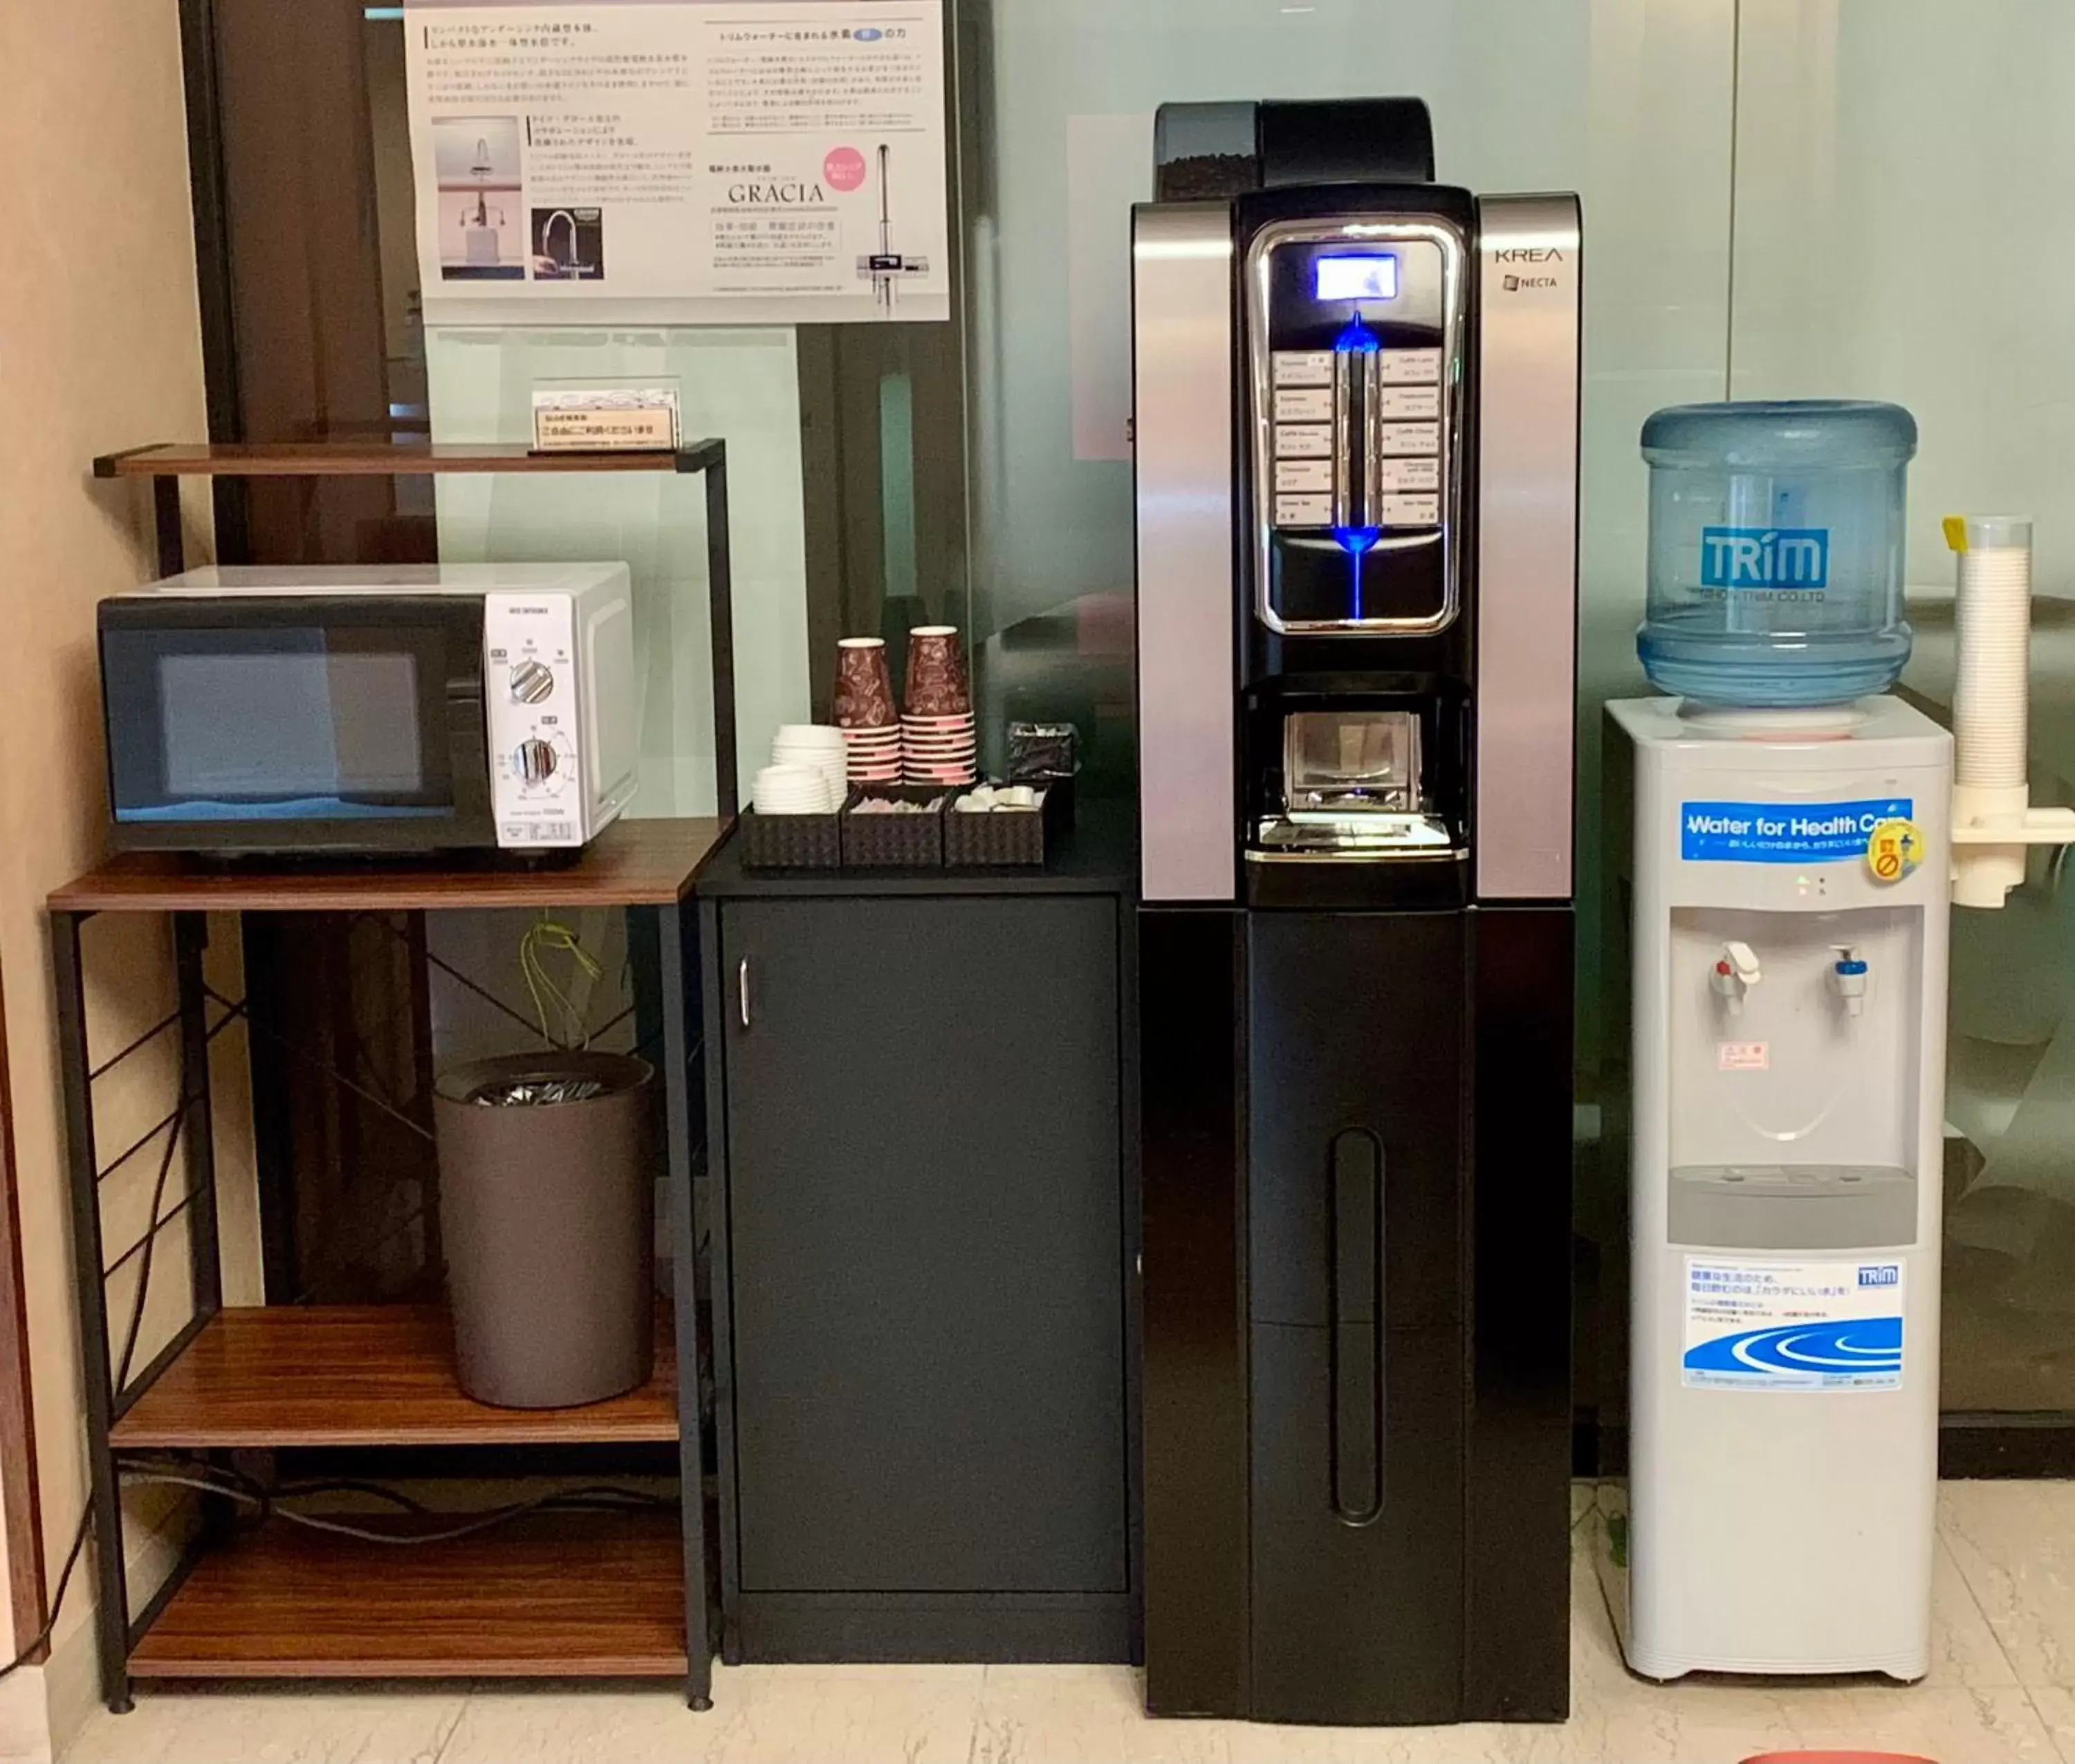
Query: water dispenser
x,y
1786,928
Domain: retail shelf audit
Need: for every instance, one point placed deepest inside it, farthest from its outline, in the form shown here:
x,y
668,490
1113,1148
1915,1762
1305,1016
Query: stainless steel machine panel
x,y
1182,374
1355,427
1530,272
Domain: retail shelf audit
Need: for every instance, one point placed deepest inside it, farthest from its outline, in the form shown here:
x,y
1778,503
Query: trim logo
x,y
1791,558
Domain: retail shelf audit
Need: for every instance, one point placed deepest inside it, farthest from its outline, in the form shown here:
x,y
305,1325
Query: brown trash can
x,y
548,1210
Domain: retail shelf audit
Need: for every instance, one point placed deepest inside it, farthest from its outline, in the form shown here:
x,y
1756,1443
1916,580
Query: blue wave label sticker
x,y
1784,833
1793,1326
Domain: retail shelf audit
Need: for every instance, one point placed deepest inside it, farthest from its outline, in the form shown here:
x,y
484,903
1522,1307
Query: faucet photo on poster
x,y
478,161
569,245
885,267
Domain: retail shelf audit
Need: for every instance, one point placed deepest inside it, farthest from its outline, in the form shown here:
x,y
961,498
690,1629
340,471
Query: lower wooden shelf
x,y
553,1596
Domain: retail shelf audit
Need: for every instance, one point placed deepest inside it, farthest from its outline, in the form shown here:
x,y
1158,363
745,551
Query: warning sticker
x,y
1793,1326
1893,850
1743,1056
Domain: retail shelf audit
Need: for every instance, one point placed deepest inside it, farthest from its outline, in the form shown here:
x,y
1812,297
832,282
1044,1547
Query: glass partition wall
x,y
1758,177
1904,179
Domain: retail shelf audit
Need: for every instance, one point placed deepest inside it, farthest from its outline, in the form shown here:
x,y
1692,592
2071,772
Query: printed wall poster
x,y
1754,1325
682,161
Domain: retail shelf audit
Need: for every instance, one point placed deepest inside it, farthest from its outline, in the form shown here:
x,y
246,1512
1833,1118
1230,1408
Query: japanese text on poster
x,y
756,161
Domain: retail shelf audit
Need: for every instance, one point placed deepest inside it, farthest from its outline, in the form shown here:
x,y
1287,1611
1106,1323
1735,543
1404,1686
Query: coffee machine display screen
x,y
1371,277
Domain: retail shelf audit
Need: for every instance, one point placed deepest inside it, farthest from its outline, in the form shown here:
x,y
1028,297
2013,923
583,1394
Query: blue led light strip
x,y
1357,339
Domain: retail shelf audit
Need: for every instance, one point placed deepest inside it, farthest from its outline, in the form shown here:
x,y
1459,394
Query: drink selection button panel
x,y
1304,404
1408,366
1307,441
1292,475
1403,438
1403,404
1411,510
1304,510
1303,367
1408,473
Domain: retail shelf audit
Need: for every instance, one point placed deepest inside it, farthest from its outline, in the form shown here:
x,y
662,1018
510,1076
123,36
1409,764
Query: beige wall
x,y
99,350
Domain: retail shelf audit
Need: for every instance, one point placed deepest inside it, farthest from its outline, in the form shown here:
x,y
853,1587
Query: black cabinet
x,y
921,1236
1357,1418
1357,1211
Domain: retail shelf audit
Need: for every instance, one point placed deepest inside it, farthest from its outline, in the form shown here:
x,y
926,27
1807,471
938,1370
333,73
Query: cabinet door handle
x,y
1356,1287
742,990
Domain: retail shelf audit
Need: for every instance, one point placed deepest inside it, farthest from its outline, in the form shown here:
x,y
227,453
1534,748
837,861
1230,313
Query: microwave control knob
x,y
531,682
534,760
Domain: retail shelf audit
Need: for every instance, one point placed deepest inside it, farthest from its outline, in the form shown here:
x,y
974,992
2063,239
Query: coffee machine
x,y
1355,417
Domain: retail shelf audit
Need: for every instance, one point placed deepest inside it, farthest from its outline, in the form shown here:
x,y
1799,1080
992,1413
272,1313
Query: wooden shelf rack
x,y
582,1594
548,1595
551,1594
362,1375
374,456
632,863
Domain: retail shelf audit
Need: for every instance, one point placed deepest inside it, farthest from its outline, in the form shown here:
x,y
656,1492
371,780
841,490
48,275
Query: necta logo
x,y
1521,255
1794,557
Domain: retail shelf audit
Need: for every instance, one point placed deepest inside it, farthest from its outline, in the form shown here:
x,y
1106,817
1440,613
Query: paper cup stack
x,y
938,741
818,746
870,732
796,789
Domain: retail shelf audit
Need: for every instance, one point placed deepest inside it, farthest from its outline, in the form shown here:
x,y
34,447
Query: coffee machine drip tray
x,y
1350,834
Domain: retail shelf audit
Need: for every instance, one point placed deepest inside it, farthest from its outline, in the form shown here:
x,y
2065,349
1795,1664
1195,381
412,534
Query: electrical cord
x,y
600,1498
345,1485
549,935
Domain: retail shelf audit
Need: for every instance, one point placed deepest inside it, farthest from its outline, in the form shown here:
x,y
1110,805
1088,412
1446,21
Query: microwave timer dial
x,y
535,760
532,681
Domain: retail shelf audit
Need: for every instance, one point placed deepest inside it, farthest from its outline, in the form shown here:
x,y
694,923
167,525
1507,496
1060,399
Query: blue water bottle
x,y
1776,535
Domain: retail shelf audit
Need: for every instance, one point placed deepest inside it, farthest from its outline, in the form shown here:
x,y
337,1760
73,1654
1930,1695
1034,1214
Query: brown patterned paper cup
x,y
936,673
864,685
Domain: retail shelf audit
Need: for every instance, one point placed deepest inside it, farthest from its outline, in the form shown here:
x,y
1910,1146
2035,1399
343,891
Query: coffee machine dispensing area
x,y
1355,398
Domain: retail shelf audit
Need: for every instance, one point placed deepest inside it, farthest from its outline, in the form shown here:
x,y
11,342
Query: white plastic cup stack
x,y
1991,703
817,746
795,789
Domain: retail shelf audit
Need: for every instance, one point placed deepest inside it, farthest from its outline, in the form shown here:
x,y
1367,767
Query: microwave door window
x,y
306,734
282,725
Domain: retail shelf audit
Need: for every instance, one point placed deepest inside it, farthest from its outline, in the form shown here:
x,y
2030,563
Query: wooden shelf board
x,y
562,1594
362,1375
361,457
631,863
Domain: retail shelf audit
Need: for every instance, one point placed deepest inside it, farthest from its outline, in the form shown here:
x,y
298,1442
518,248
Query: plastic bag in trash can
x,y
525,1092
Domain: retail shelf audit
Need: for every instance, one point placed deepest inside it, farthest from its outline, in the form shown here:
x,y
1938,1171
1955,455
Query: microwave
x,y
366,711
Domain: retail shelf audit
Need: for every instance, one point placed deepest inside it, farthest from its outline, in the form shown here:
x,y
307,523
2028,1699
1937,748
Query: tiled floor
x,y
2002,1690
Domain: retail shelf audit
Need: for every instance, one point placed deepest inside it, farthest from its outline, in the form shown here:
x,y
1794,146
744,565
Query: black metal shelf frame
x,y
664,941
